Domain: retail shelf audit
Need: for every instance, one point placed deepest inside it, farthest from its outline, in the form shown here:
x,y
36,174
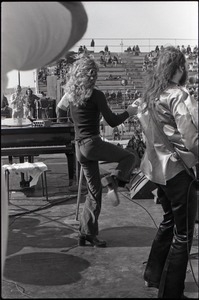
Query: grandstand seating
x,y
130,69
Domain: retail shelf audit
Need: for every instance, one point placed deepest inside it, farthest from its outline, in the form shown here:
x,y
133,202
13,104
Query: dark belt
x,y
85,140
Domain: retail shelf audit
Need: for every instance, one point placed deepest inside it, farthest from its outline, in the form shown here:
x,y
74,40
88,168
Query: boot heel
x,y
81,241
151,284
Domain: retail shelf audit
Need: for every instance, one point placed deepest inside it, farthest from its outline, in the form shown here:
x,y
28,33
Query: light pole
x,y
121,44
19,81
36,81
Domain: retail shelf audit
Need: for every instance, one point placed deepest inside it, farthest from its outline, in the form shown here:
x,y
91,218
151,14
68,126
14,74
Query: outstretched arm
x,y
112,118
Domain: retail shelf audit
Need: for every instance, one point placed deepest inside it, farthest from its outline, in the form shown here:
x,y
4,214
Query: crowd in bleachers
x,y
136,141
59,70
188,52
111,59
150,59
113,77
106,58
82,49
122,98
135,50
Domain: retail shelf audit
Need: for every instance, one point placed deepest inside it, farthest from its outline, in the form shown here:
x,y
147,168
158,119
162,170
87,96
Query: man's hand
x,y
132,110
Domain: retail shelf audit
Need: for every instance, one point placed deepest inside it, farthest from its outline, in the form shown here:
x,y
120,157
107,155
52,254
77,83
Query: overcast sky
x,y
132,19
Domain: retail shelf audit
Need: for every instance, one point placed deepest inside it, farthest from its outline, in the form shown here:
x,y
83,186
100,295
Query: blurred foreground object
x,y
35,34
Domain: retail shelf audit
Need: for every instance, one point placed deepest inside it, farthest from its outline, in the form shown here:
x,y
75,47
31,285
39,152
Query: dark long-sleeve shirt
x,y
86,117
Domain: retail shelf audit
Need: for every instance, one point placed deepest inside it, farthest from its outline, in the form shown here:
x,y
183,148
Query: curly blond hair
x,y
81,79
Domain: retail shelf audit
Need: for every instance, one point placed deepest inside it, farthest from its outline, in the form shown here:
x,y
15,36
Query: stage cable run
x,y
56,202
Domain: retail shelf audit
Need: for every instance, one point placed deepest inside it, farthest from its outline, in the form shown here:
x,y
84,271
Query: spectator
x,y
6,111
188,49
124,82
119,95
128,94
136,95
113,95
116,133
80,50
102,60
195,52
133,50
122,130
196,94
183,50
157,50
92,43
146,59
85,49
108,58
191,91
136,142
44,105
30,105
106,49
18,101
195,66
190,67
106,94
115,60
137,50
150,56
162,48
144,66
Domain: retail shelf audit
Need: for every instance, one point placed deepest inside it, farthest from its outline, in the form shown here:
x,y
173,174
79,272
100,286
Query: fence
x,y
121,44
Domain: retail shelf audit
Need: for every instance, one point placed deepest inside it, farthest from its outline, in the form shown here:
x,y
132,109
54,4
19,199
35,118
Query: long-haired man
x,y
166,95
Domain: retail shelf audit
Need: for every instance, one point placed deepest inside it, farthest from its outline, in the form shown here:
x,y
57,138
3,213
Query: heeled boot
x,y
112,185
93,240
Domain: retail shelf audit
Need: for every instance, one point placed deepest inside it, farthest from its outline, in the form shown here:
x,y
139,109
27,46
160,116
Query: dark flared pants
x,y
168,258
89,152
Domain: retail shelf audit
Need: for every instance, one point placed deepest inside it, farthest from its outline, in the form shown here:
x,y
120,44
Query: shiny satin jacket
x,y
178,122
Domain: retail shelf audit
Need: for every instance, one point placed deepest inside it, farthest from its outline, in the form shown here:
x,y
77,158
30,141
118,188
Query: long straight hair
x,y
159,79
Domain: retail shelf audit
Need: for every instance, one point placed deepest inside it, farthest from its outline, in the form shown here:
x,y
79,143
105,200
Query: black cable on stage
x,y
55,202
140,206
16,218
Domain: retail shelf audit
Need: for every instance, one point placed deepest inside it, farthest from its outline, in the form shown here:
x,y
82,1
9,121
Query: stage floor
x,y
43,260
